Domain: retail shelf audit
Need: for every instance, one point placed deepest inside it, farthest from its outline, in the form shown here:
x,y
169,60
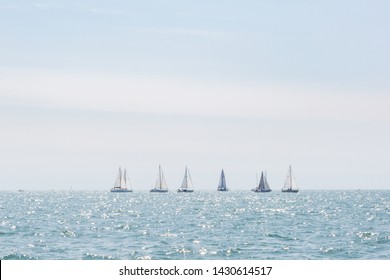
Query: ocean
x,y
204,225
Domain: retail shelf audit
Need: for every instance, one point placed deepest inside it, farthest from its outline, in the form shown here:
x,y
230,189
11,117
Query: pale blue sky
x,y
88,86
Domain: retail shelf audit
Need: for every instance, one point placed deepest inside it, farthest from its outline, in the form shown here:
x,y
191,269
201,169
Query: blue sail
x,y
222,182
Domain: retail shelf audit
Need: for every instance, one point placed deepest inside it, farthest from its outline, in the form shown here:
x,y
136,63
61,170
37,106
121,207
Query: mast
x,y
161,184
160,176
185,185
120,177
187,181
118,181
261,184
290,184
266,185
224,180
124,179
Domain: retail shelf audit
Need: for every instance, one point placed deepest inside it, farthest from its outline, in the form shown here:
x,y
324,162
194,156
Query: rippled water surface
x,y
199,225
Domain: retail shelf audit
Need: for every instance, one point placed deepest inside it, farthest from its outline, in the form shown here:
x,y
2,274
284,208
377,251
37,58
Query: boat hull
x,y
222,190
120,190
184,190
261,190
290,191
158,190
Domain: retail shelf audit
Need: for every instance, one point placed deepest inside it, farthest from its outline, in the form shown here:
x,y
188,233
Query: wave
x,y
17,257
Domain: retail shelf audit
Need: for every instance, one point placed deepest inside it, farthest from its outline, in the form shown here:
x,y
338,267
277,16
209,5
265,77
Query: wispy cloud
x,y
111,12
151,94
39,5
182,31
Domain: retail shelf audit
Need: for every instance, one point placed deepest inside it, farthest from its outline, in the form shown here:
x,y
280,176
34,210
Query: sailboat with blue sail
x,y
222,183
263,184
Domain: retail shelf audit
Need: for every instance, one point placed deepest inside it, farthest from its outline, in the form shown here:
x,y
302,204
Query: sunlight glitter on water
x,y
203,225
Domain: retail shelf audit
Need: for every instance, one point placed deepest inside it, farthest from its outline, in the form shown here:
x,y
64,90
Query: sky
x,y
245,86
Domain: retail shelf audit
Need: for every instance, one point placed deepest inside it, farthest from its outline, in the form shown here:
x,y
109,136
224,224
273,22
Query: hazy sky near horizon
x,y
88,86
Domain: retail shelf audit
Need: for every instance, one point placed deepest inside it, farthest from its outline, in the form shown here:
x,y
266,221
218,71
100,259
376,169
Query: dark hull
x,y
184,190
290,191
158,190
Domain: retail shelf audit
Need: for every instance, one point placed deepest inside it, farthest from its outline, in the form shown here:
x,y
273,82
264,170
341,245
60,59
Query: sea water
x,y
202,225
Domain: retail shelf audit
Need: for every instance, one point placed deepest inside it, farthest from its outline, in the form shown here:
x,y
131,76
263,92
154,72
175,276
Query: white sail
x,y
126,181
121,182
266,185
163,184
160,182
186,185
287,182
290,183
118,181
187,182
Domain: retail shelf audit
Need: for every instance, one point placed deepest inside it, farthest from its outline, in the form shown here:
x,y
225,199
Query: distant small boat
x,y
186,185
121,183
290,185
160,185
263,185
222,183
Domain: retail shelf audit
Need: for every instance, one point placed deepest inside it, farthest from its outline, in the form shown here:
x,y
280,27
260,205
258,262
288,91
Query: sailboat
x,y
222,183
290,185
121,183
186,185
160,185
263,185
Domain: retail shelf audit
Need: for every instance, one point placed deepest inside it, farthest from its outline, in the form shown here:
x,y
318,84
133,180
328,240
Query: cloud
x,y
173,95
111,12
183,31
